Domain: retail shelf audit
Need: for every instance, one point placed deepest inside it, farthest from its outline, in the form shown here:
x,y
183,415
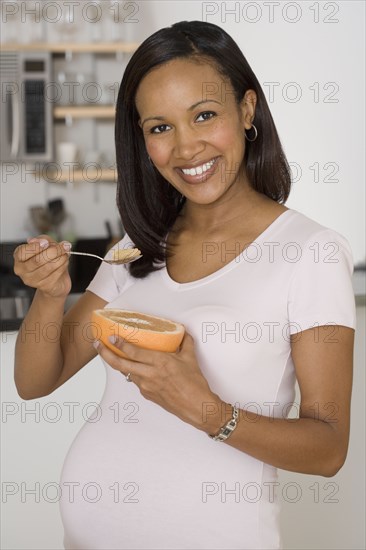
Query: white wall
x,y
303,52
321,48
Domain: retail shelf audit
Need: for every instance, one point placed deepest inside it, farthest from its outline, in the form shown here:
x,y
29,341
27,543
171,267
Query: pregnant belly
x,y
143,479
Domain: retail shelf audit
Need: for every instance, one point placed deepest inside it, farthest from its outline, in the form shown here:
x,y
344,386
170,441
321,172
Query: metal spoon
x,y
126,260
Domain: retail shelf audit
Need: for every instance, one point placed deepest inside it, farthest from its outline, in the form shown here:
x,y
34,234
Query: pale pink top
x,y
156,482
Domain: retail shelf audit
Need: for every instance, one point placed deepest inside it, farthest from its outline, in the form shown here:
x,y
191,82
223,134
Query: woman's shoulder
x,y
319,246
301,227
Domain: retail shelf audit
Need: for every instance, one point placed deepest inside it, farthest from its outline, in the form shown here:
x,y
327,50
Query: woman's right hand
x,y
43,264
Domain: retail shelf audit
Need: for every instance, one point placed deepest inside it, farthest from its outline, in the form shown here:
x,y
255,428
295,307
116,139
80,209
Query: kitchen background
x,y
309,58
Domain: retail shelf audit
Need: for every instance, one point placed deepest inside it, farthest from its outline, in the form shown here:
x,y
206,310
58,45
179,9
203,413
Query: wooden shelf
x,y
84,111
62,112
61,47
89,175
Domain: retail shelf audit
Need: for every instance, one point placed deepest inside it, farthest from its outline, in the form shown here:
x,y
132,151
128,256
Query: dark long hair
x,y
147,202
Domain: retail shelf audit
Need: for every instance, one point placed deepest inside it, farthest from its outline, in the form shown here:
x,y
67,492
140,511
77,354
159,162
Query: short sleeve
x,y
111,280
321,290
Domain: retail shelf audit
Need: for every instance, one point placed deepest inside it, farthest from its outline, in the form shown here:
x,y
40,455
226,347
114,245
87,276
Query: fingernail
x,y
96,344
43,243
113,339
67,246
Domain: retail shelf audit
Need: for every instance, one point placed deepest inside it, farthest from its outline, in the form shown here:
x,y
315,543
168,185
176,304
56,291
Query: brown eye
x,y
159,129
206,115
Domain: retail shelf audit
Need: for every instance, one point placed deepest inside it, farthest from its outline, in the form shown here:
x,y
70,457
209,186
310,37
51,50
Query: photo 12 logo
x,y
71,491
271,12
68,411
70,12
270,251
252,492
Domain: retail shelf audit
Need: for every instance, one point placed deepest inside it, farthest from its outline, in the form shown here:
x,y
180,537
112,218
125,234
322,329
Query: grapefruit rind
x,y
142,330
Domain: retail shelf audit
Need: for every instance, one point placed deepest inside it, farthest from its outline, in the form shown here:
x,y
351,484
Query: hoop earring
x,y
255,131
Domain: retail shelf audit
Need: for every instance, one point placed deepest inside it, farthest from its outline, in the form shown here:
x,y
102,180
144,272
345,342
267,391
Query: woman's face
x,y
194,128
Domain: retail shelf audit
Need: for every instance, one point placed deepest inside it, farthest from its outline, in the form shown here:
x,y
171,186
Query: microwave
x,y
26,132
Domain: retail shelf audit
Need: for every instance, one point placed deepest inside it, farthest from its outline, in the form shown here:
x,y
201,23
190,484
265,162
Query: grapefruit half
x,y
140,329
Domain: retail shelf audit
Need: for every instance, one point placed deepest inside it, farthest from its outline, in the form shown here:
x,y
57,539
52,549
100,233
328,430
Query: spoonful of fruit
x,y
119,257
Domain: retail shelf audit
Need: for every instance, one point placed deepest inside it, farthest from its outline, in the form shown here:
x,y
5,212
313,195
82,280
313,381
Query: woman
x,y
265,295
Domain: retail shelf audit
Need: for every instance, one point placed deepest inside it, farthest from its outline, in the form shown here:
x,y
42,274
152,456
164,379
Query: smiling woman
x,y
191,83
195,142
264,294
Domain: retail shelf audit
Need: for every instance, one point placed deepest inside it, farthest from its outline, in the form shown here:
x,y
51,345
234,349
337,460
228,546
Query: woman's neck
x,y
241,205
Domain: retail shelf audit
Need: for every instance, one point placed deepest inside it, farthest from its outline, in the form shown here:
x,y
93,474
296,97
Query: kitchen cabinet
x,y
69,113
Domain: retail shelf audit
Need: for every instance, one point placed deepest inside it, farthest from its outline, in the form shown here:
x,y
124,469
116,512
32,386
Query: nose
x,y
188,143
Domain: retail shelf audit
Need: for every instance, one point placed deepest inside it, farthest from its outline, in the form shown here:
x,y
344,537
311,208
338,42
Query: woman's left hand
x,y
172,380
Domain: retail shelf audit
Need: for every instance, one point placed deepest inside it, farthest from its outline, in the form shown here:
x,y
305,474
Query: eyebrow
x,y
191,108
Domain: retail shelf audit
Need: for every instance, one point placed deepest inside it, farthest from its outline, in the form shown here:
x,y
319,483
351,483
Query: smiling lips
x,y
198,173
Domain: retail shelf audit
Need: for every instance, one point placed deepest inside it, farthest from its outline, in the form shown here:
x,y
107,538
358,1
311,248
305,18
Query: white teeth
x,y
199,169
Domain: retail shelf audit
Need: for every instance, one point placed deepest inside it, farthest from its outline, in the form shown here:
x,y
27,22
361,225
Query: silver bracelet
x,y
228,428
